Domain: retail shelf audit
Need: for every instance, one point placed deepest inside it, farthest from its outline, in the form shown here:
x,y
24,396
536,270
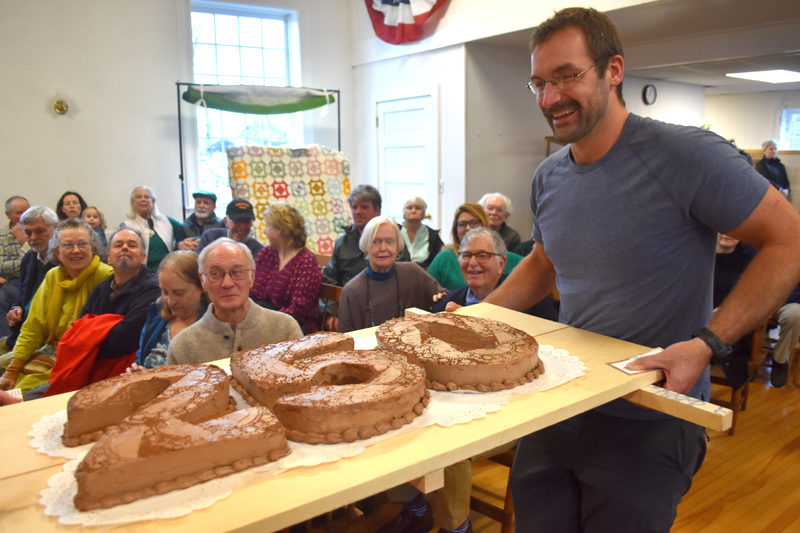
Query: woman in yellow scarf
x,y
56,304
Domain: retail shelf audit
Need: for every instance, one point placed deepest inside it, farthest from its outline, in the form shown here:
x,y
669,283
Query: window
x,y
790,130
241,45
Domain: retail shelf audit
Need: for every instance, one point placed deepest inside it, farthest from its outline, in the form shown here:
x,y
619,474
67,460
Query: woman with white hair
x,y
386,288
423,242
771,168
161,233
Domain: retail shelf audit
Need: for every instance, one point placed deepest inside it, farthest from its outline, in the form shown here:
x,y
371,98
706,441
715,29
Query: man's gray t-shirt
x,y
632,236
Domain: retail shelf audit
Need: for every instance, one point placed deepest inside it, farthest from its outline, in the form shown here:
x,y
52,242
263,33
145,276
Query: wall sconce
x,y
61,107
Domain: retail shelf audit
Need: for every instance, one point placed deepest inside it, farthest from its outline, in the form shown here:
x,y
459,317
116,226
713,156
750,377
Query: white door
x,y
408,154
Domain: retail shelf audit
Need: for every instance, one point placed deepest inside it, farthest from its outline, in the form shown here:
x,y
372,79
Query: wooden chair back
x,y
322,259
329,295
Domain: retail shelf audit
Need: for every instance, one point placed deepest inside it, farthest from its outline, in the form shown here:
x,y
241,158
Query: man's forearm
x,y
762,289
530,281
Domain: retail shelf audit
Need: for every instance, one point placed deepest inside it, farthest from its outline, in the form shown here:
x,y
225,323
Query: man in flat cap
x,y
201,220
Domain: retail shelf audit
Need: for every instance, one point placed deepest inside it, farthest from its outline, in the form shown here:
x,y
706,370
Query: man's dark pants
x,y
598,473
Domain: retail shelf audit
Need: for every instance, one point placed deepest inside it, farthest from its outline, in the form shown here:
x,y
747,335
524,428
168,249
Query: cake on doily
x,y
464,352
322,390
164,429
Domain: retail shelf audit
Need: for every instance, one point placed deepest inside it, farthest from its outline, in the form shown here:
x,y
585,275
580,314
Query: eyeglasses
x,y
559,81
80,245
481,256
468,223
237,274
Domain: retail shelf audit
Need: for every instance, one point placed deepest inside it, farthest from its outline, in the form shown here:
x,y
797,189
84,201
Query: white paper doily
x,y
445,409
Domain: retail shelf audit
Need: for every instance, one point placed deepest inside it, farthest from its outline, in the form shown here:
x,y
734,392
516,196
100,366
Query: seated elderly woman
x,y
56,304
444,267
386,288
181,304
288,277
162,233
482,257
422,242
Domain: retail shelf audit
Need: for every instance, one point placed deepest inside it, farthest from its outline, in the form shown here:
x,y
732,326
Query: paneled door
x,y
408,154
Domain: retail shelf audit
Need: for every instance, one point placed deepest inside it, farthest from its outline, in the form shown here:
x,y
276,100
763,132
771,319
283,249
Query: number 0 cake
x,y
464,352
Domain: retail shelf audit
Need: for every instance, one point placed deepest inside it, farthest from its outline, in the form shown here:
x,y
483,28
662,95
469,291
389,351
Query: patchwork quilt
x,y
314,179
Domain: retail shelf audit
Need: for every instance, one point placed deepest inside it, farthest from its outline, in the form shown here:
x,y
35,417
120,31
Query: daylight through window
x,y
241,45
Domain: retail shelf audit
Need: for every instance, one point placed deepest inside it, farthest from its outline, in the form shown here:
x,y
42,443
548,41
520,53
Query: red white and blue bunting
x,y
400,21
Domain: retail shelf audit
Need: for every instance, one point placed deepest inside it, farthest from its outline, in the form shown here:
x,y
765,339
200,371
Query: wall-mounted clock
x,y
649,94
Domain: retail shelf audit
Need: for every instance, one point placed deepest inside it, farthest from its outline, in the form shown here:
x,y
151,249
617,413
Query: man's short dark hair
x,y
602,39
365,193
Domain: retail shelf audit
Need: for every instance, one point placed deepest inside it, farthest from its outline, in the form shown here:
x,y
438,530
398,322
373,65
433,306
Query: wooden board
x,y
274,502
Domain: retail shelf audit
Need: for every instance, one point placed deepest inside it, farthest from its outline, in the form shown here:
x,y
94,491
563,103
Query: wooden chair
x,y
322,259
329,295
738,401
504,515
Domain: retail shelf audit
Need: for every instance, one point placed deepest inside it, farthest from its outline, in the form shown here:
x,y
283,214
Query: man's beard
x,y
125,264
202,213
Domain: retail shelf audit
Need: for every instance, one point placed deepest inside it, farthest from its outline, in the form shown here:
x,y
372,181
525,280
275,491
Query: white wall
x,y
505,129
751,119
407,77
677,103
117,62
462,21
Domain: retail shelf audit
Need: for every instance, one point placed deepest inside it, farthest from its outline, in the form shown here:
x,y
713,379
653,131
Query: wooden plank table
x,y
268,503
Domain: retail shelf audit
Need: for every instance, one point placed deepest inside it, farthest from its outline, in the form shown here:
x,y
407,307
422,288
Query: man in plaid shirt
x,y
12,247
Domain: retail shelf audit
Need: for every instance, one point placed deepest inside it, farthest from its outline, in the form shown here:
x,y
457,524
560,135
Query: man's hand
x,y
8,399
6,384
331,323
134,368
439,295
19,233
682,363
14,316
189,243
451,306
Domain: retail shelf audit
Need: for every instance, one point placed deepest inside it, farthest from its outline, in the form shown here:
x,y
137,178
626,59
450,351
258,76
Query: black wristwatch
x,y
719,350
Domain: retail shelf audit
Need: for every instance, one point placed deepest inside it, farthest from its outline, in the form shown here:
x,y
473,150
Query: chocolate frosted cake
x,y
164,429
322,390
464,352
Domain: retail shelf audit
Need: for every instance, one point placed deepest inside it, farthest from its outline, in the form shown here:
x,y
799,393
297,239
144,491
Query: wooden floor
x,y
748,482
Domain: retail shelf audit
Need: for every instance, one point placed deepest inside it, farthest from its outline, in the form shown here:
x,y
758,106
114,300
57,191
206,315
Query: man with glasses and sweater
x,y
232,322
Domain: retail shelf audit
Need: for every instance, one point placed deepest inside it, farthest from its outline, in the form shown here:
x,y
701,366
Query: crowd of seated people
x,y
167,287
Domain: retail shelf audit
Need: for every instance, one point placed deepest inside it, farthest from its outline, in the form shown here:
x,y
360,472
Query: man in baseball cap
x,y
238,221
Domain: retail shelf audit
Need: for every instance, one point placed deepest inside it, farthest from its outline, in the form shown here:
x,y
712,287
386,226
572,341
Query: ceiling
x,y
698,41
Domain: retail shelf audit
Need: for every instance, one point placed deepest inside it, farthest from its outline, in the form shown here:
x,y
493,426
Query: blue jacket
x,y
153,328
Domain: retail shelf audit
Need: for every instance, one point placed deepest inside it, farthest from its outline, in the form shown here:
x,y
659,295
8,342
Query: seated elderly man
x,y
232,322
498,207
239,219
12,248
202,220
103,342
56,304
482,257
38,224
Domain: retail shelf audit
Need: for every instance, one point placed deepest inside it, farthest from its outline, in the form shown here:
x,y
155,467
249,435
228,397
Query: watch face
x,y
649,94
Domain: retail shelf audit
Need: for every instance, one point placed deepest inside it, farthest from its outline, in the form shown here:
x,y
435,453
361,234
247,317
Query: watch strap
x,y
719,349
